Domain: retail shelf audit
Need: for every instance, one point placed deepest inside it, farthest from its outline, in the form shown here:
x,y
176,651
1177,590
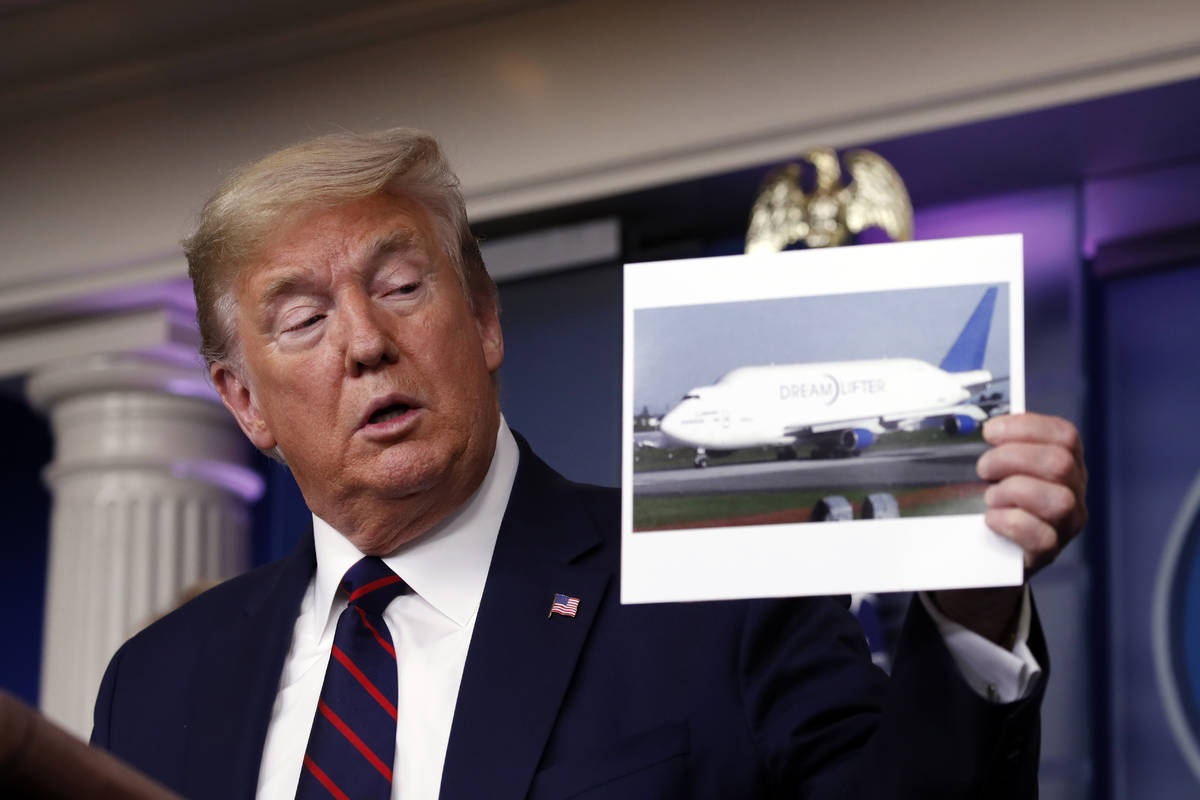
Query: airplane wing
x,y
852,435
973,381
844,437
962,418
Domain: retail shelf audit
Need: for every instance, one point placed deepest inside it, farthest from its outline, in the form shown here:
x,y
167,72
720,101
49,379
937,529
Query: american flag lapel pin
x,y
563,604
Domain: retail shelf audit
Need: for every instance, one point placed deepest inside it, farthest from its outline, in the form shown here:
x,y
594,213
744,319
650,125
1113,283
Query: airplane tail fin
x,y
967,352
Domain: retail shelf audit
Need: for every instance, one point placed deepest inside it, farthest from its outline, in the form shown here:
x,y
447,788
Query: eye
x,y
404,289
307,322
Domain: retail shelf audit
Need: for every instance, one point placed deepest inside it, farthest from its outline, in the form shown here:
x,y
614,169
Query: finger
x,y
1035,428
1034,536
1052,503
1049,462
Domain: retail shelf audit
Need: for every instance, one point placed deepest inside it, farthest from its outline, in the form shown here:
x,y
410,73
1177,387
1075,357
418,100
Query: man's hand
x,y
1036,499
1039,484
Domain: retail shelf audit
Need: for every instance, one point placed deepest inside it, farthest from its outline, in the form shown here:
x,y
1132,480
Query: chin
x,y
410,468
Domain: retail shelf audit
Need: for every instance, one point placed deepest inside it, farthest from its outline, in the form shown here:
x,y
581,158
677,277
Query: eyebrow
x,y
282,286
395,242
291,283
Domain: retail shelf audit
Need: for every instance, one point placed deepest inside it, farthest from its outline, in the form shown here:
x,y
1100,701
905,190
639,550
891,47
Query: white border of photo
x,y
791,559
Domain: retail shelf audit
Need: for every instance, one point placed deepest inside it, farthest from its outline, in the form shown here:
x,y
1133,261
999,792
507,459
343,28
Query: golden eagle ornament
x,y
784,213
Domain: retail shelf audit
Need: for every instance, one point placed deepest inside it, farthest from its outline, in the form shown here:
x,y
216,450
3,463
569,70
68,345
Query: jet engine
x,y
847,442
856,439
957,424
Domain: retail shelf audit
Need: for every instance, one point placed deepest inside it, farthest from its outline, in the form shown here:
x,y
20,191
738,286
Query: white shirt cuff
x,y
995,674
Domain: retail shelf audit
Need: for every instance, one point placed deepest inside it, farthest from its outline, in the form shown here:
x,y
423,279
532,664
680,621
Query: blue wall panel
x,y
560,385
1152,384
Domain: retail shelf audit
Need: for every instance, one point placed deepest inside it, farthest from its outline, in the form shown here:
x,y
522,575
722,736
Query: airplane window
x,y
691,397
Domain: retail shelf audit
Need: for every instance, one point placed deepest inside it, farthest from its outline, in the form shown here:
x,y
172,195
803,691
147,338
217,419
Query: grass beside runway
x,y
668,512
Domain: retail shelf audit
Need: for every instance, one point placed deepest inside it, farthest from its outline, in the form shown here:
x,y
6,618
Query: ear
x,y
490,336
238,398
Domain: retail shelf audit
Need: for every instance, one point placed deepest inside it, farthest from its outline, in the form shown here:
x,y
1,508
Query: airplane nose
x,y
669,424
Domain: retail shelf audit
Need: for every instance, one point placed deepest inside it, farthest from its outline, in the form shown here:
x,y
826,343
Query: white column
x,y
150,496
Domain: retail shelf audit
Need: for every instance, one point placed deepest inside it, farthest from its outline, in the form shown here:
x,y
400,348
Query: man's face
x,y
363,362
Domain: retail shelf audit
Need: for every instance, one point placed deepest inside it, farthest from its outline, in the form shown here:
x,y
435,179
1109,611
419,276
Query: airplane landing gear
x,y
832,508
881,505
701,459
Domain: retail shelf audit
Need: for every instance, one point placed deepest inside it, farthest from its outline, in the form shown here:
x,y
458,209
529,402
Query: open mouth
x,y
389,412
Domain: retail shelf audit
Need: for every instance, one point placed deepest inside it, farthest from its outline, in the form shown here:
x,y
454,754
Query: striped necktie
x,y
352,745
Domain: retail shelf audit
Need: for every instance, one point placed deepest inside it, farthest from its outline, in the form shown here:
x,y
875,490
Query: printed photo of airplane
x,y
766,398
836,408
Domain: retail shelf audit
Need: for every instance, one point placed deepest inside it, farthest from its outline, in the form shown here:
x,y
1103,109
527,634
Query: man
x,y
352,330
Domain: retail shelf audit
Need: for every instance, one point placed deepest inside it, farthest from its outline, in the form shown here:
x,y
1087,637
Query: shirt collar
x,y
446,566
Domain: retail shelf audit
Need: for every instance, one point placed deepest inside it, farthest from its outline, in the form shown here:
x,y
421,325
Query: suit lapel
x,y
236,680
520,662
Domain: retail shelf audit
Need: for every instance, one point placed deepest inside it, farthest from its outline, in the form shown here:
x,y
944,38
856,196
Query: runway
x,y
919,466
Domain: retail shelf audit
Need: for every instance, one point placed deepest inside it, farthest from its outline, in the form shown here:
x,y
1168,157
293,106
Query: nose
x,y
369,342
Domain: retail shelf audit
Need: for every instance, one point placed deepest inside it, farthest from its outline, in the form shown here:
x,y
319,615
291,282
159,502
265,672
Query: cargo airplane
x,y
836,407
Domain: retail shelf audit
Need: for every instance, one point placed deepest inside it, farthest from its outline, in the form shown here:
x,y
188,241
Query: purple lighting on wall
x,y
1130,205
1046,218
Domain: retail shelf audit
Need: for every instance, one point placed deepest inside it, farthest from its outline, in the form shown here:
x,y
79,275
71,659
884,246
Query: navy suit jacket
x,y
736,699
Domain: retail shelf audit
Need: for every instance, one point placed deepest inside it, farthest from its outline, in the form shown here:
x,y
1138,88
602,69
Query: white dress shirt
x,y
431,629
999,675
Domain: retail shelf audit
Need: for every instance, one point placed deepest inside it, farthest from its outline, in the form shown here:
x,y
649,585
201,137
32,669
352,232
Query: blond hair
x,y
325,171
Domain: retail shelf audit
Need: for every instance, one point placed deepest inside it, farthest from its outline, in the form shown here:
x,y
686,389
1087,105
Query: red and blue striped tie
x,y
352,745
